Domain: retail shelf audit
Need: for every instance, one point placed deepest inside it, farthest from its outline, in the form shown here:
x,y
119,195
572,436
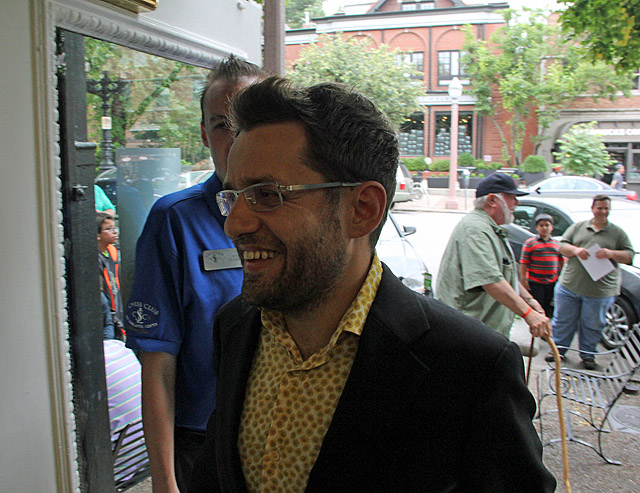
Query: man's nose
x,y
241,219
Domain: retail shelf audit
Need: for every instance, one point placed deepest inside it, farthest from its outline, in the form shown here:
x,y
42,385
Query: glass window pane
x,y
444,64
634,172
154,141
411,136
442,138
455,67
523,215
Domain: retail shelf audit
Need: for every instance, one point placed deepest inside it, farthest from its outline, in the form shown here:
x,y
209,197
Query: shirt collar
x,y
500,230
590,225
353,319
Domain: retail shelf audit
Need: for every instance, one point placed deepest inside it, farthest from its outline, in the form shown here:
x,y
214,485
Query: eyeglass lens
x,y
260,197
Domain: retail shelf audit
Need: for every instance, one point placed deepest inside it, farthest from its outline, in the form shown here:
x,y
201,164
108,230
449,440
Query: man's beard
x,y
506,212
313,265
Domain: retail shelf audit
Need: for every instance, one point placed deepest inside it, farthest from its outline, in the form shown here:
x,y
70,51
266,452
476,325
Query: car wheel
x,y
620,317
417,193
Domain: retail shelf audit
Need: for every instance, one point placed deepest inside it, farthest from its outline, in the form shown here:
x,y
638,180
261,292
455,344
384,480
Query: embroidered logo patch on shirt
x,y
141,316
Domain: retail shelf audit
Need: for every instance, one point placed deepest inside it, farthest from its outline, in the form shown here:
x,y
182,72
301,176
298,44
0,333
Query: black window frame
x,y
410,58
450,73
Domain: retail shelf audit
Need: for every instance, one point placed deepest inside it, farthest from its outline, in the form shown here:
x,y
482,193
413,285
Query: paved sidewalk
x,y
587,471
436,201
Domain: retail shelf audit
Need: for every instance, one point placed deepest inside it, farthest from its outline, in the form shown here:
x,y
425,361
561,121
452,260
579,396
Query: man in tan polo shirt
x,y
333,376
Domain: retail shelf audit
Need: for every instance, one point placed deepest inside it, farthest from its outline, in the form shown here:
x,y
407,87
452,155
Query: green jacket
x,y
478,253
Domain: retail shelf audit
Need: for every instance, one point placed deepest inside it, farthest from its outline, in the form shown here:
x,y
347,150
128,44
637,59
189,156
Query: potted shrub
x,y
487,168
439,179
466,160
534,168
416,165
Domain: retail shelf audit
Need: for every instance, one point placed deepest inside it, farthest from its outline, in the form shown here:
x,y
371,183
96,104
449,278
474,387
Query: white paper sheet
x,y
596,267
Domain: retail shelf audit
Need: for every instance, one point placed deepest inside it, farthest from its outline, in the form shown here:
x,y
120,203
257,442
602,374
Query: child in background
x,y
540,263
109,262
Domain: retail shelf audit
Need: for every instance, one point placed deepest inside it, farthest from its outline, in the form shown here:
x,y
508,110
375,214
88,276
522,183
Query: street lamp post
x,y
455,91
105,88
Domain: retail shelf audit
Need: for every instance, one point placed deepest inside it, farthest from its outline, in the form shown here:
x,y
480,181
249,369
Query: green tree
x,y
533,70
582,152
147,79
609,30
378,73
295,11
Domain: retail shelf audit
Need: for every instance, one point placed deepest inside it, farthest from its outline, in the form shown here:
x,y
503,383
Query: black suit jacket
x,y
435,401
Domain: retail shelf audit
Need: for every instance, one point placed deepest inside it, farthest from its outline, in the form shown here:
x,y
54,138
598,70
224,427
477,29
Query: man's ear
x,y
368,203
203,135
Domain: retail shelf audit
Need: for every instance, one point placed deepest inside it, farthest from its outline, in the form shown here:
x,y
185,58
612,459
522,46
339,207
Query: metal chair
x,y
594,390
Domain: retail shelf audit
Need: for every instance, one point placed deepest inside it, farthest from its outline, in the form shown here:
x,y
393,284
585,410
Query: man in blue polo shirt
x,y
186,268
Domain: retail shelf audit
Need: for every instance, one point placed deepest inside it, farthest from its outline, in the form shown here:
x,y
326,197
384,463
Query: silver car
x,y
395,250
570,186
404,184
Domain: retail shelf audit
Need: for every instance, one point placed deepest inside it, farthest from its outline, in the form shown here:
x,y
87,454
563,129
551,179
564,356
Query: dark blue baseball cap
x,y
498,183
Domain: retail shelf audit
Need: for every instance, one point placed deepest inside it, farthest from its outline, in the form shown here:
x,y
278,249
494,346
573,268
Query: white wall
x,y
36,422
27,459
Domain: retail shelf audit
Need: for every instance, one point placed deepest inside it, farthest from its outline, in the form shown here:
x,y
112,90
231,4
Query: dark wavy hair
x,y
348,138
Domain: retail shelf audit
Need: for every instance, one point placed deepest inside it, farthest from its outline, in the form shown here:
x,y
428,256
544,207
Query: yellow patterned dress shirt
x,y
290,402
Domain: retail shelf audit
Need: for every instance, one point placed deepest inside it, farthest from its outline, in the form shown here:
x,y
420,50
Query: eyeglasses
x,y
113,228
263,197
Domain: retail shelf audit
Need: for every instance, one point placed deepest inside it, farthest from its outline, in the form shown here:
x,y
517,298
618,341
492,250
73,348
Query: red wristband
x,y
527,312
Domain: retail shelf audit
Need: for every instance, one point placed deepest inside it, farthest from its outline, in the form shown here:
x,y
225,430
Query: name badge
x,y
221,259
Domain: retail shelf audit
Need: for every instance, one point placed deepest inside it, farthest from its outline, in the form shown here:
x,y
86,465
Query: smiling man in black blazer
x,y
333,376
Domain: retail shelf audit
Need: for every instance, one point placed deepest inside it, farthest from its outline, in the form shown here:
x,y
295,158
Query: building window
x,y
449,65
636,81
415,59
634,172
418,5
442,140
411,137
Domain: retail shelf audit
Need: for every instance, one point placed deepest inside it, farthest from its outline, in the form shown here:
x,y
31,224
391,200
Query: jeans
x,y
585,314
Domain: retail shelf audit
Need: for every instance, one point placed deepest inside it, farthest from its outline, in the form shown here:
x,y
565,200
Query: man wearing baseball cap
x,y
479,273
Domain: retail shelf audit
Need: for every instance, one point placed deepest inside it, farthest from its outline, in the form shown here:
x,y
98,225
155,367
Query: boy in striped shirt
x,y
540,263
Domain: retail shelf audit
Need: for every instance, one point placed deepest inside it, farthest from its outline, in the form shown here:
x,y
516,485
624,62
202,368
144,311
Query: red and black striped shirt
x,y
542,258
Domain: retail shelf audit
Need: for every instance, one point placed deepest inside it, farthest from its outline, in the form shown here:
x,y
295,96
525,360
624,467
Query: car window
x,y
523,216
586,185
560,223
555,184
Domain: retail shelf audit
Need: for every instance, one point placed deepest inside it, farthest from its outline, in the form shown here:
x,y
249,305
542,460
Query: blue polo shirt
x,y
174,299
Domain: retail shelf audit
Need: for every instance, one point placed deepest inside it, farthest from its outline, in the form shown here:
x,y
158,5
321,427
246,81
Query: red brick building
x,y
429,32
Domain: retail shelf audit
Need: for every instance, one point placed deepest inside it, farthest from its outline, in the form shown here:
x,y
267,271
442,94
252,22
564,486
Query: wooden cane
x,y
530,359
563,432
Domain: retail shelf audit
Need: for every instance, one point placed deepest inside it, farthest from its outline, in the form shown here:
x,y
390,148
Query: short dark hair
x,y
101,217
599,198
231,69
348,138
543,217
